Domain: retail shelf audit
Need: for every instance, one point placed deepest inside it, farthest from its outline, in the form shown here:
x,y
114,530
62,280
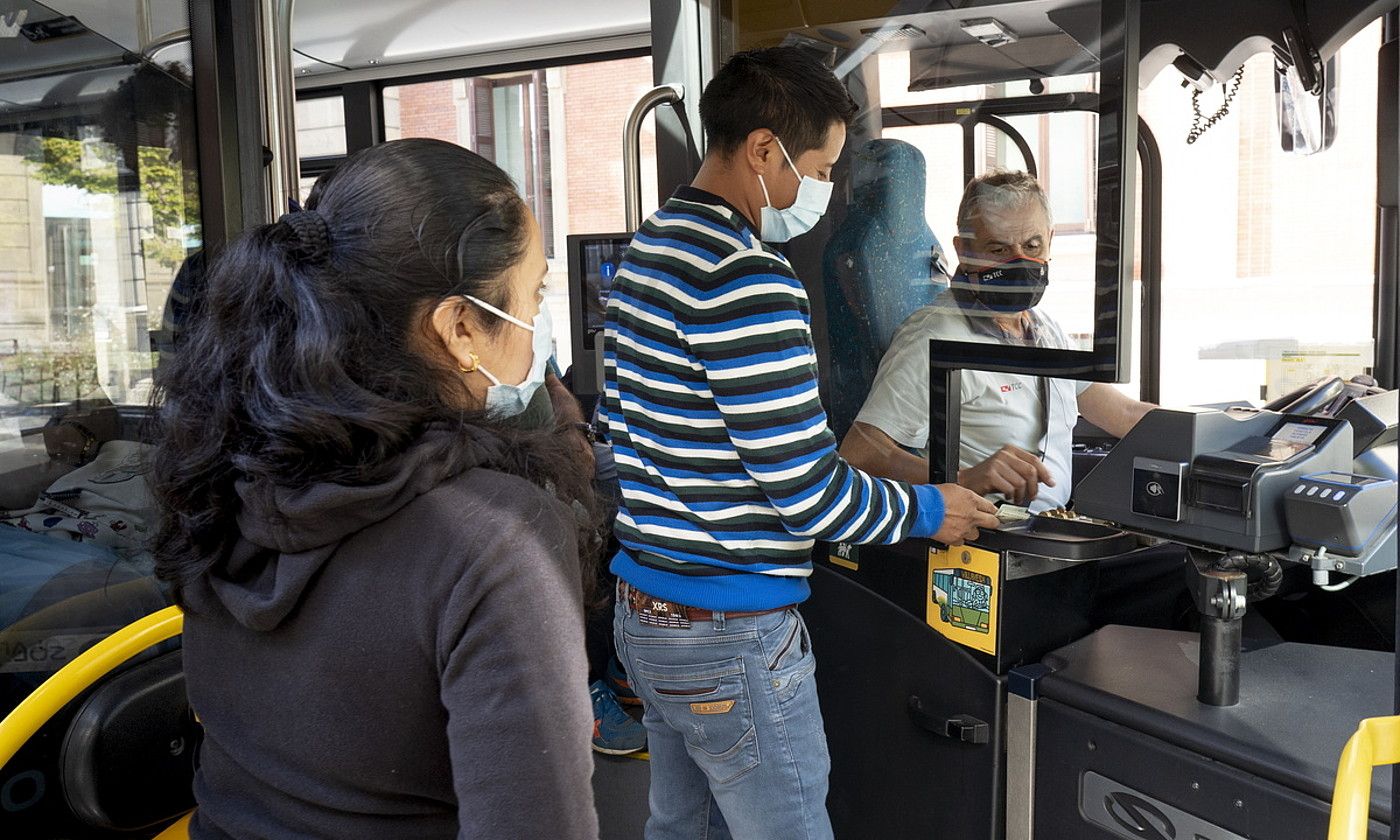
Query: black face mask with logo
x,y
1012,286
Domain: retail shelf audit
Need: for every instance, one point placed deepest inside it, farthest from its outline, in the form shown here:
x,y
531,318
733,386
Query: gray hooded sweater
x,y
401,660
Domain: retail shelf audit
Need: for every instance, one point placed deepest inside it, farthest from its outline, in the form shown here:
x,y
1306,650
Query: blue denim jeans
x,y
733,726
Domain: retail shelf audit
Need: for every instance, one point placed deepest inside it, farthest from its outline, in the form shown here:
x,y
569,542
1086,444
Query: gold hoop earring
x,y
475,363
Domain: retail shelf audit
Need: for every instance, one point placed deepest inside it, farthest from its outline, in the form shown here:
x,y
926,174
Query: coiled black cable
x,y
1199,122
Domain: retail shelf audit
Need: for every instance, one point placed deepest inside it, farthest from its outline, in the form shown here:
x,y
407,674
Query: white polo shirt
x,y
997,408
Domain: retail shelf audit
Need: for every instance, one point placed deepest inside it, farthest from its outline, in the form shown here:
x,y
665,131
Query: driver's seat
x,y
882,263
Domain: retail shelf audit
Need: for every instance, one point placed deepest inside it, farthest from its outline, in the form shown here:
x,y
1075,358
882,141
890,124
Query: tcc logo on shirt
x,y
1013,386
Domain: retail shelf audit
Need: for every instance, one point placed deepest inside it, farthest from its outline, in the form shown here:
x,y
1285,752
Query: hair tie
x,y
311,237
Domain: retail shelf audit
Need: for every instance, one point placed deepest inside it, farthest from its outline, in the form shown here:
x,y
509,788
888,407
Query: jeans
x,y
733,726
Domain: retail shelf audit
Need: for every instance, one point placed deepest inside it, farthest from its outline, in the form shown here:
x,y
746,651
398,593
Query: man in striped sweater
x,y
728,469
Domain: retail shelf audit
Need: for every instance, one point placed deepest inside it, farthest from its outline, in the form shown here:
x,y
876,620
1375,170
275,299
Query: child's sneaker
x,y
614,731
620,685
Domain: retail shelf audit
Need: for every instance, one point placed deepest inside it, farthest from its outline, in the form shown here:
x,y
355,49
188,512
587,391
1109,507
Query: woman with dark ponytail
x,y
383,561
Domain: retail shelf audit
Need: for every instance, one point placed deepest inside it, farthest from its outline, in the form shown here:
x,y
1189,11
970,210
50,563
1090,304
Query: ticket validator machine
x,y
1132,732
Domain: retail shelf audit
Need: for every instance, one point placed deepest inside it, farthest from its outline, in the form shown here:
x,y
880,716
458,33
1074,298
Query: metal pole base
x,y
1219,594
1220,661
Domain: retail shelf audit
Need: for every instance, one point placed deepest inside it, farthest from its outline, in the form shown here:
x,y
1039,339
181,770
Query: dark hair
x,y
783,89
310,361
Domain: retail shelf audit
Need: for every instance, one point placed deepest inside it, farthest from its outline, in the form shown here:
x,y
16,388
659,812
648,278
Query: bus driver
x,y
1016,429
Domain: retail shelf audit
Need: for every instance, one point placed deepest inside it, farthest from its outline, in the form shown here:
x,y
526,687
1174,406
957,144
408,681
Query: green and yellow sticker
x,y
963,589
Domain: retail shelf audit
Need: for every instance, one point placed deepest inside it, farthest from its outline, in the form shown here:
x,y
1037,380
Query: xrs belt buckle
x,y
654,612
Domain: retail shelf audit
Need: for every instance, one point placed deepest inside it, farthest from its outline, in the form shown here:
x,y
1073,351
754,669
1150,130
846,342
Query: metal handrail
x,y
667,94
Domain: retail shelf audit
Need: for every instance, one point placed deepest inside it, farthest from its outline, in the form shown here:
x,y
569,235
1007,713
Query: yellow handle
x,y
77,676
1375,743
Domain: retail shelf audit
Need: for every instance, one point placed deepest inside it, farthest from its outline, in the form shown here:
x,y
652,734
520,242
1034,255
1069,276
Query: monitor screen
x,y
594,260
1298,433
599,261
1350,479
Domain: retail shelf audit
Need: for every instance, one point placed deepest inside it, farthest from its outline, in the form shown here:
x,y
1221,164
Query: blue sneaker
x,y
614,731
620,685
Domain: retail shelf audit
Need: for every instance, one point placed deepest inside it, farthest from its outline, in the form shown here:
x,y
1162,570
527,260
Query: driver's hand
x,y
964,514
1011,471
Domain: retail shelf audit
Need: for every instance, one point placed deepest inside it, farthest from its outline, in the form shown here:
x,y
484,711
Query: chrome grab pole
x,y
667,94
279,105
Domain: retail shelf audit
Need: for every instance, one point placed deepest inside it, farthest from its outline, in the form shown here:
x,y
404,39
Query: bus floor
x,y
620,786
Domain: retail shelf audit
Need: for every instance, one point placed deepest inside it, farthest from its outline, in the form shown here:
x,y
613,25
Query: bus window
x,y
321,140
1063,158
1057,146
558,132
100,210
1251,236
321,126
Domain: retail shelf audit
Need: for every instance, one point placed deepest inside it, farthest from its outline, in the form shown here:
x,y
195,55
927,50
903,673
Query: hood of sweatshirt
x,y
286,535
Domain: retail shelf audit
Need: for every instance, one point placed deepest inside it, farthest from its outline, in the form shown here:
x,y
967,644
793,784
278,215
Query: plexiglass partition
x,y
946,96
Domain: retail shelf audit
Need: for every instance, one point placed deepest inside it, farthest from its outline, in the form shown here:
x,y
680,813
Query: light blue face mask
x,y
503,400
812,198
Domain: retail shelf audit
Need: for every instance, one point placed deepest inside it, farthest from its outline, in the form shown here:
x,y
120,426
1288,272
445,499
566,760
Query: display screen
x,y
1302,434
599,260
1345,478
594,262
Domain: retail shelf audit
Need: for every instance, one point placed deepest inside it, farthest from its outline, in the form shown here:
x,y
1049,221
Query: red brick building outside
x,y
558,132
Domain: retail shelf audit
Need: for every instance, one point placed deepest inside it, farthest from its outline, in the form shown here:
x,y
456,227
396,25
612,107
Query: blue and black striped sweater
x,y
727,467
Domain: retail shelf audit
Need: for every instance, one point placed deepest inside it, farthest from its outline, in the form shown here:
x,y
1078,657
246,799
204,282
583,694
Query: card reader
x,y
1342,512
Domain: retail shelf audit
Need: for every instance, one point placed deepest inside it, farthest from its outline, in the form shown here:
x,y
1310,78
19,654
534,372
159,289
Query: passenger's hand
x,y
964,514
1011,471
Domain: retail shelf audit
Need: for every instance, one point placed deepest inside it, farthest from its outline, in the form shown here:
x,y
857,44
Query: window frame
x,y
364,112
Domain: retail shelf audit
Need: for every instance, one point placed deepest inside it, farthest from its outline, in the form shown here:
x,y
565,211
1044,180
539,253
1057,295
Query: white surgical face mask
x,y
510,400
812,198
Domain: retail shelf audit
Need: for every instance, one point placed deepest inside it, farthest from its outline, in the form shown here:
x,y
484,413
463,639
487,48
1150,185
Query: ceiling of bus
x,y
110,31
89,62
1051,37
335,36
1055,36
117,20
330,35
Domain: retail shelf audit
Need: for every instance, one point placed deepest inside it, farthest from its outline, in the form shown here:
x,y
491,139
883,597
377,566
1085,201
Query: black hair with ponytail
x,y
312,357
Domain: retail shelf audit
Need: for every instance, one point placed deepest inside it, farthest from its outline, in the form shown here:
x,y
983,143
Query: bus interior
x,y
1222,179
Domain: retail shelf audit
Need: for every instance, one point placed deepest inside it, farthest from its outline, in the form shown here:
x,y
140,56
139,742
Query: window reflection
x,y
1014,93
99,210
101,213
966,109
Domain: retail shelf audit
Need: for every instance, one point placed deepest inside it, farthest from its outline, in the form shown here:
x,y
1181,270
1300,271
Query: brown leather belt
x,y
642,602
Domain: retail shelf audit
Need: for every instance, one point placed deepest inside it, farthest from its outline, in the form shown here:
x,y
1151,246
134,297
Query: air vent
x,y
47,30
989,31
889,32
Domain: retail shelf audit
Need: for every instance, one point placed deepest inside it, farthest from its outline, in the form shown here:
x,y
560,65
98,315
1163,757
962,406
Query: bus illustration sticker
x,y
964,599
962,596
